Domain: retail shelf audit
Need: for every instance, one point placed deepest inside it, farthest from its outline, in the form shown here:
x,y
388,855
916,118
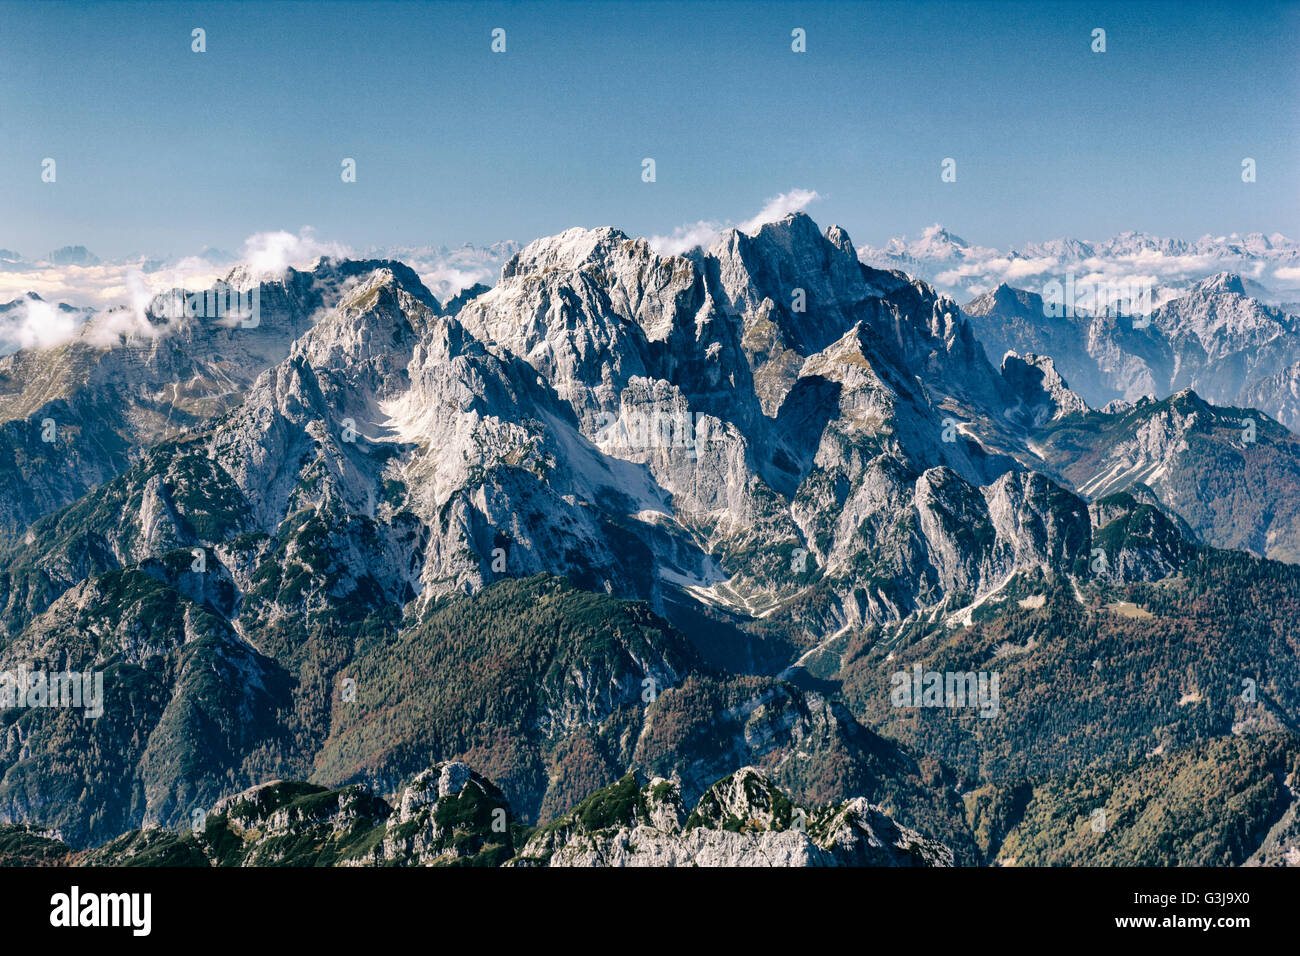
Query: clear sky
x,y
160,150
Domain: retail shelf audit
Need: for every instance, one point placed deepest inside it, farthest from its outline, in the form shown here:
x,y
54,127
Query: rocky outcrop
x,y
450,816
1044,395
742,820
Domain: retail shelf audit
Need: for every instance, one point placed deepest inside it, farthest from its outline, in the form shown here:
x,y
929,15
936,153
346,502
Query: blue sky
x,y
163,151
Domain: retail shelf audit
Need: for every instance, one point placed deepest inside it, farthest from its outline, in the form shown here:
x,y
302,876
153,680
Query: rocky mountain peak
x,y
838,237
72,256
742,820
1035,381
567,251
1220,283
744,800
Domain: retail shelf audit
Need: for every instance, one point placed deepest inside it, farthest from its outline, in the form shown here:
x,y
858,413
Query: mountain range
x,y
628,533
1269,265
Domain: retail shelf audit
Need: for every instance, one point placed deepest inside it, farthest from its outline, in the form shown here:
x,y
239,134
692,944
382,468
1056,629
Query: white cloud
x,y
120,292
778,207
36,324
1022,268
1127,260
687,237
274,252
95,286
447,272
444,281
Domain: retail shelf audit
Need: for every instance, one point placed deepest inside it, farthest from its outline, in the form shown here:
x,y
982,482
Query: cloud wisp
x,y
702,233
119,293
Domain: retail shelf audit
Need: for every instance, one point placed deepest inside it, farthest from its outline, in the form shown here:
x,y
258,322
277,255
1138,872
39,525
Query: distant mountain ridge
x,y
1170,265
1215,338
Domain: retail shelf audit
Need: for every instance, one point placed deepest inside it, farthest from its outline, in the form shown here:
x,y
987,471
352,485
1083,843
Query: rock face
x,y
1047,396
742,820
1014,320
446,815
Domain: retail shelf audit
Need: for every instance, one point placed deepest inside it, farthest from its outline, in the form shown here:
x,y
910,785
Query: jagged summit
x,y
327,278
567,250
935,242
525,412
1220,283
1004,298
788,357
1046,393
839,237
